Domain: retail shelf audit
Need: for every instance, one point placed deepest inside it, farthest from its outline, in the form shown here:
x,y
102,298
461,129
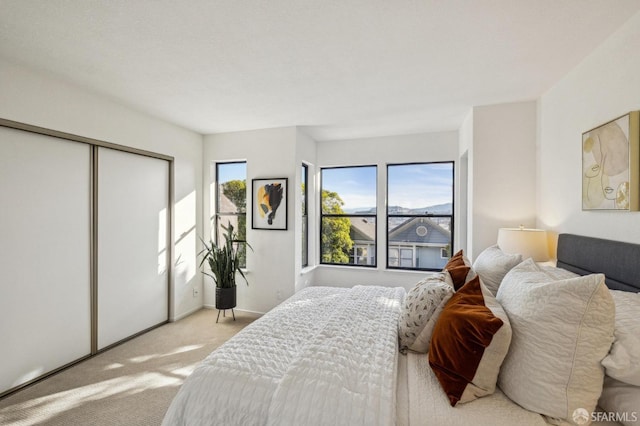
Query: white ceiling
x,y
342,68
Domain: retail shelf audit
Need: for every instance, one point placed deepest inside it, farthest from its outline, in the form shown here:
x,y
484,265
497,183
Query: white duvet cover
x,y
327,356
429,406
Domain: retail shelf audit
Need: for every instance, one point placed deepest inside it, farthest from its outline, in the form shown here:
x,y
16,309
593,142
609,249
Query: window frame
x,y
354,253
398,245
218,214
305,215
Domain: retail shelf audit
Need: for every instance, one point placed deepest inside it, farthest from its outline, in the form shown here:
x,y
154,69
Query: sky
x,y
355,185
232,171
420,185
410,186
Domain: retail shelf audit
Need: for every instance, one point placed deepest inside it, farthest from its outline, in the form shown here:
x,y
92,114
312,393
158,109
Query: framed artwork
x,y
269,204
610,172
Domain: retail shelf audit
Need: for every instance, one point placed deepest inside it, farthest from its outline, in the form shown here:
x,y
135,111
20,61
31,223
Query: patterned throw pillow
x,y
423,304
469,343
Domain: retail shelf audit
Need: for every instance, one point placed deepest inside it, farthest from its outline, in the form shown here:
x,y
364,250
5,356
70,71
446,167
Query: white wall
x,y
269,153
40,99
424,147
464,184
604,86
502,171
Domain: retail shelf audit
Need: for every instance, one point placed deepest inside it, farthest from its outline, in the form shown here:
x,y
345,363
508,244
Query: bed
x,y
329,356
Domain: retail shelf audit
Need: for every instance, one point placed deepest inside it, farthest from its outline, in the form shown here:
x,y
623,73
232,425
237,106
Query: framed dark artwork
x,y
269,204
610,172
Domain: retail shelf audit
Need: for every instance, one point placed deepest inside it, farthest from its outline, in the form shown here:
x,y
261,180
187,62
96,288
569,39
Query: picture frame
x,y
610,165
269,199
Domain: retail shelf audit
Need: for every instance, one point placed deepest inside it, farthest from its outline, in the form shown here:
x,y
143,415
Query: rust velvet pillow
x,y
459,269
469,343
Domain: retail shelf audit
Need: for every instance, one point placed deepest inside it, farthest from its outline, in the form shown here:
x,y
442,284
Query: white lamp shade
x,y
528,242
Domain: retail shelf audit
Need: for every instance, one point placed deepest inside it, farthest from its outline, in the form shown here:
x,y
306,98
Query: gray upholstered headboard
x,y
619,261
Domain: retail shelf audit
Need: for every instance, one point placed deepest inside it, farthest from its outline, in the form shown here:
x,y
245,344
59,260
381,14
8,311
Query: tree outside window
x,y
348,215
231,203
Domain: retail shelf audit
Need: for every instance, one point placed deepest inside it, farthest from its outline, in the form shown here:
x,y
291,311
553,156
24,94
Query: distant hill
x,y
446,208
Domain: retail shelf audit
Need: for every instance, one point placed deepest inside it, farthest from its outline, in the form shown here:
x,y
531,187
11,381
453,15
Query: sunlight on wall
x,y
185,225
162,241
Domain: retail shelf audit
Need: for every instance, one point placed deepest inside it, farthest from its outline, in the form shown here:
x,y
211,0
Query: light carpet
x,y
131,384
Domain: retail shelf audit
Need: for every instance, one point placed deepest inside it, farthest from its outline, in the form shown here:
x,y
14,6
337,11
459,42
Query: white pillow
x,y
422,307
493,264
623,361
561,331
558,273
622,400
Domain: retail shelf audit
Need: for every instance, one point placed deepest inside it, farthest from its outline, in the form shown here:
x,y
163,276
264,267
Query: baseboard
x,y
186,314
236,309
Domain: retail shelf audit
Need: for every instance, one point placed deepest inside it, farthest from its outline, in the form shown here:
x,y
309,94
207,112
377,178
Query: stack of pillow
x,y
464,330
543,335
621,392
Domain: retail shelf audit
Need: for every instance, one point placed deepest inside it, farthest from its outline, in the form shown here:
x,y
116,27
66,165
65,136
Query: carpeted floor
x,y
131,384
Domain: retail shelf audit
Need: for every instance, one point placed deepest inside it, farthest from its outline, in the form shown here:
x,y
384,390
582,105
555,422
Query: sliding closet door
x,y
45,201
133,200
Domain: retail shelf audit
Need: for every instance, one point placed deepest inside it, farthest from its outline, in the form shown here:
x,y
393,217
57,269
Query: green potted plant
x,y
224,262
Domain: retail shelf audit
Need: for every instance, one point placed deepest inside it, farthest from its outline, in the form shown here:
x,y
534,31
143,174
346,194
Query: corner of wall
x,y
269,153
502,170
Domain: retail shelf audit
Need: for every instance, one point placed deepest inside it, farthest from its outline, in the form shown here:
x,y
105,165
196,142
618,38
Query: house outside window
x,y
348,222
444,253
231,204
419,215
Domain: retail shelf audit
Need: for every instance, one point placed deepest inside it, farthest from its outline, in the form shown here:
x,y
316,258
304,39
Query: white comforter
x,y
327,356
429,406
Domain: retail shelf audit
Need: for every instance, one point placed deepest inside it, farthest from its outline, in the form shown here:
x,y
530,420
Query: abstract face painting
x,y
610,165
270,204
269,198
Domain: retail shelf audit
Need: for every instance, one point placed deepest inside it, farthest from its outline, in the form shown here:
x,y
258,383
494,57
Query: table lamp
x,y
528,242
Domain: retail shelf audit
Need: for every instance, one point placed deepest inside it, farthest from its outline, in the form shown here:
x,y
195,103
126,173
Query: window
x,y
419,215
305,219
231,204
348,215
